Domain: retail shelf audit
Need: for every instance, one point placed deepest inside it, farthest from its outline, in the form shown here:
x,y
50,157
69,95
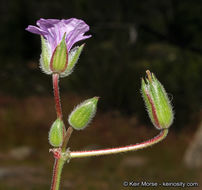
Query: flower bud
x,y
73,57
59,59
56,133
83,114
157,102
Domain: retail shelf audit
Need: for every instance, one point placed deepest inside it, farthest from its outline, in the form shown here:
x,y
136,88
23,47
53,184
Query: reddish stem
x,y
57,95
150,142
57,98
66,138
55,170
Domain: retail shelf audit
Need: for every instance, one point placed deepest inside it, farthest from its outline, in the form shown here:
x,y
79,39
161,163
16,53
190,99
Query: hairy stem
x,y
57,95
57,170
59,162
66,138
135,147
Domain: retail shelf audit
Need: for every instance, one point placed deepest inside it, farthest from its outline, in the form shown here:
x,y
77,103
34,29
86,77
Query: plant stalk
x,y
57,95
145,144
59,162
57,170
66,138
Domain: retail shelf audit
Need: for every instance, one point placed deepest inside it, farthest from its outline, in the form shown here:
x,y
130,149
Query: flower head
x,y
58,37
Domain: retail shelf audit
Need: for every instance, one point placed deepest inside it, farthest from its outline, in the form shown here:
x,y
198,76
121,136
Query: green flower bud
x,y
83,114
157,102
56,133
59,59
72,60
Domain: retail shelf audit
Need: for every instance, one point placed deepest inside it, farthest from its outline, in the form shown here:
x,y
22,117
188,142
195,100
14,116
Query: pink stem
x,y
150,142
57,170
57,95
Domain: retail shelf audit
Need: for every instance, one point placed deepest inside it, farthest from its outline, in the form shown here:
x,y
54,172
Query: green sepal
x,y
73,58
56,133
83,114
45,56
59,58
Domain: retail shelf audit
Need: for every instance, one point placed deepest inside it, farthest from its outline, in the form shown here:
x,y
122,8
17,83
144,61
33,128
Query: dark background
x,y
128,37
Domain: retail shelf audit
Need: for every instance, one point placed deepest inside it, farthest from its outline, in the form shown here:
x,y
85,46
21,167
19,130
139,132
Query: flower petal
x,y
53,30
47,23
78,28
36,30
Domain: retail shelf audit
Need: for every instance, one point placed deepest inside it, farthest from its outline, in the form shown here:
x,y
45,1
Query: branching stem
x,y
60,158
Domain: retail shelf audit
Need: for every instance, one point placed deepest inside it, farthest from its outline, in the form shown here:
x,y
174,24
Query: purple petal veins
x,y
53,30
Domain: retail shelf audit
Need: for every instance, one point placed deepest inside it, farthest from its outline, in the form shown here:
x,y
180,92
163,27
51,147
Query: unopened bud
x,y
83,114
157,102
56,133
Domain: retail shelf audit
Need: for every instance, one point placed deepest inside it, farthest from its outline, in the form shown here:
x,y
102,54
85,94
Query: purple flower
x,y
58,37
53,31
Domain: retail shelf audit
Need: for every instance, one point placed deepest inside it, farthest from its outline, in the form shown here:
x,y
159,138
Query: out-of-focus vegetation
x,y
128,37
26,163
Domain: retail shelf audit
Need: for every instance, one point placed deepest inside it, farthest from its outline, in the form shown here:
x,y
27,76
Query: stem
x,y
57,95
142,145
59,162
66,138
57,170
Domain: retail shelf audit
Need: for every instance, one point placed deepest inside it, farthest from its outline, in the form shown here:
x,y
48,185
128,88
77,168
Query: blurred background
x,y
128,37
